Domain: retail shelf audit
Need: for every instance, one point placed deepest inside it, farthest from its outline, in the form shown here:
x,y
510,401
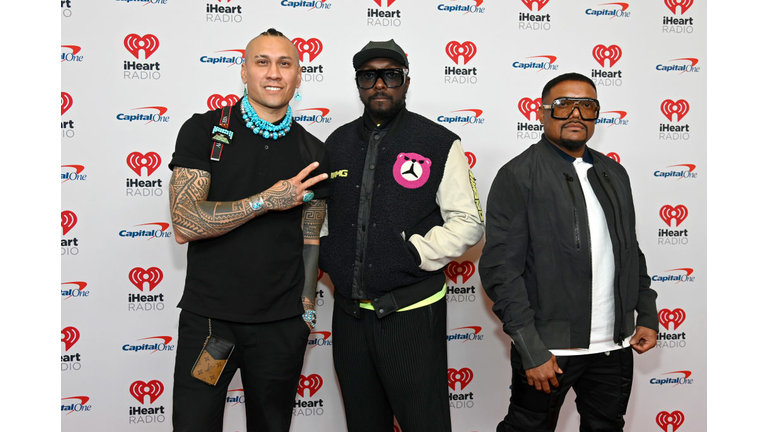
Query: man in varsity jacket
x,y
402,205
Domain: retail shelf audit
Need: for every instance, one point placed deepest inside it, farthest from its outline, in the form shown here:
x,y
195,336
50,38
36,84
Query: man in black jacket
x,y
402,205
564,270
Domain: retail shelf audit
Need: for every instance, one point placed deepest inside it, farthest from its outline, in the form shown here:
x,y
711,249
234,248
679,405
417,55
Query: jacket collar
x,y
568,158
393,126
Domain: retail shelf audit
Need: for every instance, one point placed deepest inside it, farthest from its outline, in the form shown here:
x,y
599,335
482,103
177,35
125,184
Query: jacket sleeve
x,y
460,208
502,266
647,314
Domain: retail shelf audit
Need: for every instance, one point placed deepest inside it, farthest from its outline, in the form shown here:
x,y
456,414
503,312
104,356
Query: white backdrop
x,y
133,71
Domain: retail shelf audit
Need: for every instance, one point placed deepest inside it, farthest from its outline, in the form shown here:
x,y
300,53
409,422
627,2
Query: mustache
x,y
379,95
572,122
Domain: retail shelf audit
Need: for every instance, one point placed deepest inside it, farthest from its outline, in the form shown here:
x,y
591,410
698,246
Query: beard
x,y
383,113
571,144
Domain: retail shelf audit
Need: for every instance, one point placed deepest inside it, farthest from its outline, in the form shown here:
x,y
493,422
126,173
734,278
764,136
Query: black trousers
x,y
602,383
393,366
270,357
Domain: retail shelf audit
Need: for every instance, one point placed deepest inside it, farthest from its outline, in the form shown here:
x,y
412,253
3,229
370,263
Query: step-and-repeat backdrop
x,y
132,71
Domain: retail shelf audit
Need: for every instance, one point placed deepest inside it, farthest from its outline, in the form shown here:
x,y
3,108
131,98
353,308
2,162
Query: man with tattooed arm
x,y
248,197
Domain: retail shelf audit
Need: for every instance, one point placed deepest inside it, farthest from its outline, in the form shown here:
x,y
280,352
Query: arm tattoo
x,y
196,218
282,195
313,216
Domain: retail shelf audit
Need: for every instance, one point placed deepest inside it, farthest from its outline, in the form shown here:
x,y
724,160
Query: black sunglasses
x,y
366,78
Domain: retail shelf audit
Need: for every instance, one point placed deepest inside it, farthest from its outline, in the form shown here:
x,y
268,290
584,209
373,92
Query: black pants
x,y
602,383
396,365
270,357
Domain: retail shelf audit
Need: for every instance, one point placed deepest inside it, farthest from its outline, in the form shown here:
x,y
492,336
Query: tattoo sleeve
x,y
313,216
194,217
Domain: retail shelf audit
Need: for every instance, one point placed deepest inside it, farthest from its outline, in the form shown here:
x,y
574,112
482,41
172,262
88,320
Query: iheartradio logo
x,y
312,47
69,336
604,54
68,221
151,276
678,213
136,161
310,382
381,2
670,108
471,159
216,101
528,106
683,4
667,317
66,102
455,50
464,269
539,4
674,419
459,378
614,156
140,389
147,43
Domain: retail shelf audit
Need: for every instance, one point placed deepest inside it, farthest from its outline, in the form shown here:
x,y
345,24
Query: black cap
x,y
376,49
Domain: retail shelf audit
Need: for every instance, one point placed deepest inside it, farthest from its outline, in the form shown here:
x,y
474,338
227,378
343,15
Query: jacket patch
x,y
411,170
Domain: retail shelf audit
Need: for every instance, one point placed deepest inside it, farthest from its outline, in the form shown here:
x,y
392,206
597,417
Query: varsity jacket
x,y
536,262
402,205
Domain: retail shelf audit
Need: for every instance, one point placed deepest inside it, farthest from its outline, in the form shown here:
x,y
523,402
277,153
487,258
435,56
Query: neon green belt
x,y
427,301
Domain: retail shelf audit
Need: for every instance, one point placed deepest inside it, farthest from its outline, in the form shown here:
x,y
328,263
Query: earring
x,y
245,91
297,96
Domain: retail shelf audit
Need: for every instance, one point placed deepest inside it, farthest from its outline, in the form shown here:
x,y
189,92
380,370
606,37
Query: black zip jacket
x,y
536,263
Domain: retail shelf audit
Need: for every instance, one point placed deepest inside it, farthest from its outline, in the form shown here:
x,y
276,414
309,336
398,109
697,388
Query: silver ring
x,y
308,195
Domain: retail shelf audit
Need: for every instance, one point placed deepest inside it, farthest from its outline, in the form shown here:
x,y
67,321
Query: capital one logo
x,y
667,317
455,50
68,221
604,54
147,43
528,106
464,269
671,108
216,101
471,159
459,378
72,175
321,117
136,161
683,4
674,419
388,2
78,406
678,213
312,47
311,383
140,389
66,102
70,336
151,277
539,4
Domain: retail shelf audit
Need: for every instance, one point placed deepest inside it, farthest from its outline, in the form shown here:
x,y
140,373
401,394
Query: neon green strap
x,y
427,301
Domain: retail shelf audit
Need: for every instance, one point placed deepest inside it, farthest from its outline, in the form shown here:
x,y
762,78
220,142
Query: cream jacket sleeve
x,y
460,208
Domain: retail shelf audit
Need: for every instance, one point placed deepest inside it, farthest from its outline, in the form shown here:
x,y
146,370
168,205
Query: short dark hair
x,y
571,76
272,32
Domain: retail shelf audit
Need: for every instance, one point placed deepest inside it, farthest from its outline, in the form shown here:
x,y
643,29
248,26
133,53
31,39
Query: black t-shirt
x,y
254,273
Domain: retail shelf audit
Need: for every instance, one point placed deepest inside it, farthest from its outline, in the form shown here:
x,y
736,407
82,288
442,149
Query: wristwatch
x,y
258,204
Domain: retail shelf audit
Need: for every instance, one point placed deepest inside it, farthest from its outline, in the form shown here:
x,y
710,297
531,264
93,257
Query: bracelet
x,y
310,317
258,204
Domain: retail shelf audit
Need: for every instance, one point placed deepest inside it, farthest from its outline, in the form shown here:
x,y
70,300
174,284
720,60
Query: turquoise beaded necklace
x,y
263,127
